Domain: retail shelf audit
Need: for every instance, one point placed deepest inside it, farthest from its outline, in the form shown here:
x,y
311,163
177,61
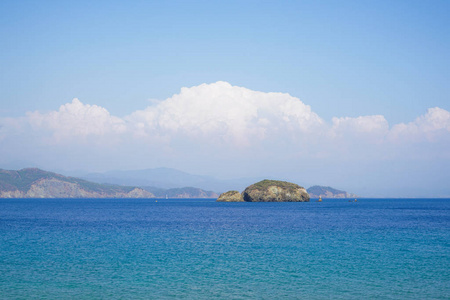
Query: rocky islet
x,y
268,191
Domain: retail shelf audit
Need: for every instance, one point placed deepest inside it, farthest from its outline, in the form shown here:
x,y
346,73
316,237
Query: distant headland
x,y
37,183
317,191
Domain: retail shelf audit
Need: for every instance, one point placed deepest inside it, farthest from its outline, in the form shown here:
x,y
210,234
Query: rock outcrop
x,y
275,191
230,196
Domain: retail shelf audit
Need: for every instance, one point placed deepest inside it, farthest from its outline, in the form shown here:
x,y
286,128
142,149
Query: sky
x,y
349,94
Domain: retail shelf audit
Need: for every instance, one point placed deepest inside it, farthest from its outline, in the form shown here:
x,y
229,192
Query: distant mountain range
x,y
37,183
160,183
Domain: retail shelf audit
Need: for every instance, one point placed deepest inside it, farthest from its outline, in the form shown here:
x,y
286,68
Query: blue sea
x,y
202,249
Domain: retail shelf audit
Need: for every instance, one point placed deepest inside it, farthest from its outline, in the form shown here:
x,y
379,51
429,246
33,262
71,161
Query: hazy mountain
x,y
328,192
167,178
159,177
185,192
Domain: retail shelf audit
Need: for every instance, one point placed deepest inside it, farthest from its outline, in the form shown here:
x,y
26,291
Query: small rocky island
x,y
268,191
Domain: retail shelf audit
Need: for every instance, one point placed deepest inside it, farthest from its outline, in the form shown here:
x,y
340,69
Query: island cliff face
x,y
268,191
36,183
230,196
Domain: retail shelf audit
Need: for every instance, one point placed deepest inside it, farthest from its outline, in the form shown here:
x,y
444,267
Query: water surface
x,y
201,249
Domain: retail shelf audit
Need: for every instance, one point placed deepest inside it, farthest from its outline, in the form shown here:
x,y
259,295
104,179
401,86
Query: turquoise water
x,y
201,249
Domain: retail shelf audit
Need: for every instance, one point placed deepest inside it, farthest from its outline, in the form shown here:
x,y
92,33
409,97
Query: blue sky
x,y
343,59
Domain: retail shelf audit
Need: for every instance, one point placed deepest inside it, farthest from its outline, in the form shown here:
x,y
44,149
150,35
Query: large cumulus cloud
x,y
224,113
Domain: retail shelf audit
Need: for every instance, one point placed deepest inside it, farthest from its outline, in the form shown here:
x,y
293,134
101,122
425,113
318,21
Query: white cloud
x,y
76,119
432,125
364,125
221,112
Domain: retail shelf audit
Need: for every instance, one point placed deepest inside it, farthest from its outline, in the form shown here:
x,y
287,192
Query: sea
x,y
202,249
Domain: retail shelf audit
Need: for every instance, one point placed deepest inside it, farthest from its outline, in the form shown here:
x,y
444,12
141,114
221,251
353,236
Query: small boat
x,y
320,199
